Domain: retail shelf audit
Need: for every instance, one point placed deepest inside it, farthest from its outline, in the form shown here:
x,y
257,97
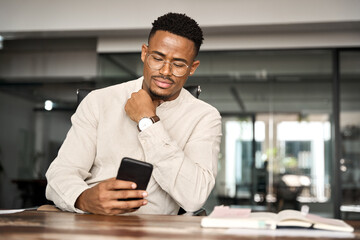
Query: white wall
x,y
68,15
122,26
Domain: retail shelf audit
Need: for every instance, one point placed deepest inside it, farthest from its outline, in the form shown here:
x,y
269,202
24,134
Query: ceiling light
x,y
48,105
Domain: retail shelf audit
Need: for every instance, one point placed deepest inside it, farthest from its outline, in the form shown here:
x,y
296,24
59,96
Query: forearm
x,y
188,183
67,173
187,175
64,191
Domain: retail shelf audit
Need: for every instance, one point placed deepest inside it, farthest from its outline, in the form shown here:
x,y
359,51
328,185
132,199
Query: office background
x,y
285,75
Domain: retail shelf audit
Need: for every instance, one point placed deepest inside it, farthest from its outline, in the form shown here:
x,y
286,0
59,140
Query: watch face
x,y
144,123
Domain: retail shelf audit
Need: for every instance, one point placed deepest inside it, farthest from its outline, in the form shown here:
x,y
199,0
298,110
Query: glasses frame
x,y
164,61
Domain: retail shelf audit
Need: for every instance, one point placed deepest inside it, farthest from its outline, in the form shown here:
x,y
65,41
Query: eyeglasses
x,y
157,62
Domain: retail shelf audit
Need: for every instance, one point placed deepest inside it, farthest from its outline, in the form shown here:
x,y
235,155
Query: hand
x,y
103,198
140,105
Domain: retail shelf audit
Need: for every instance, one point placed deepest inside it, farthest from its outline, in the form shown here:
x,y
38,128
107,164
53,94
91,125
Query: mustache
x,y
164,77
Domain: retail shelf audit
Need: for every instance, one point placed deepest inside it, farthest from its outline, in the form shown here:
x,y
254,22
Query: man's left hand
x,y
140,105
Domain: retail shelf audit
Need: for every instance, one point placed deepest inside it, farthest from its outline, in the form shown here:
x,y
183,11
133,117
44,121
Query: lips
x,y
162,83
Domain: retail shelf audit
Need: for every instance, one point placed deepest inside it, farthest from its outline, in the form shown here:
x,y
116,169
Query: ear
x,y
194,66
144,49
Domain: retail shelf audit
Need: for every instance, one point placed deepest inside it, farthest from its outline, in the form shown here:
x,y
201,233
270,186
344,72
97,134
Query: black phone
x,y
135,171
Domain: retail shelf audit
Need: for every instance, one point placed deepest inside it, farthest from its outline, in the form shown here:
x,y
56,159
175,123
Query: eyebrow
x,y
176,59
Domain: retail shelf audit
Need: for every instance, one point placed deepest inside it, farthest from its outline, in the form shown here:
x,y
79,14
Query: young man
x,y
181,136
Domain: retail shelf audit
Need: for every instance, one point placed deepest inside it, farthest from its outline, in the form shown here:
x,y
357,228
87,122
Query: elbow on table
x,y
194,202
193,207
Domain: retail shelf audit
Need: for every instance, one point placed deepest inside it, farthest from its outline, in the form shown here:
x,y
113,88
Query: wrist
x,y
79,203
142,115
146,122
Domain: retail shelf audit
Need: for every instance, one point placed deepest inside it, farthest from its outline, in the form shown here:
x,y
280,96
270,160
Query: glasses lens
x,y
177,68
155,62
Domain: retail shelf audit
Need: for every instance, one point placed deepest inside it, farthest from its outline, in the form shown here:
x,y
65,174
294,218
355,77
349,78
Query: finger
x,y
135,96
128,205
120,184
129,194
107,181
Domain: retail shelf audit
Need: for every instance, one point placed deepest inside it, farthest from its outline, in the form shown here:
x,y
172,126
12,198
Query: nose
x,y
166,69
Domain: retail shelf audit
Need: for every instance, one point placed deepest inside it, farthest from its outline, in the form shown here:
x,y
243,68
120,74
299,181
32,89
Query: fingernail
x,y
133,185
144,194
144,202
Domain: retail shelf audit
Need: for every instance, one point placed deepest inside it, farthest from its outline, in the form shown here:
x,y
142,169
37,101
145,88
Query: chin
x,y
159,95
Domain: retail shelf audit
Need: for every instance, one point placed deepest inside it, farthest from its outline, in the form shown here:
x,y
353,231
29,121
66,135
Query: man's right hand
x,y
104,198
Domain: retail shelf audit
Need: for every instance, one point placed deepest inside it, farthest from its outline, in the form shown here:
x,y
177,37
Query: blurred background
x,y
285,76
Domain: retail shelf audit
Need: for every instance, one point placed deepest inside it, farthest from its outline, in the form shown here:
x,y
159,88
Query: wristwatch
x,y
146,122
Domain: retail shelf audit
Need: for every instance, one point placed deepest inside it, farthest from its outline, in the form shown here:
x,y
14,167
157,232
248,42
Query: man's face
x,y
162,84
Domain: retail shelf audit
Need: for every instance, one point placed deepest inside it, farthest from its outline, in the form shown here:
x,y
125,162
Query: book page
x,y
318,219
291,214
293,218
9,211
225,217
295,233
297,219
329,223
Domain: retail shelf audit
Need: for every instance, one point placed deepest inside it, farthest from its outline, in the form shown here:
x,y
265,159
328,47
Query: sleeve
x,y
67,173
187,175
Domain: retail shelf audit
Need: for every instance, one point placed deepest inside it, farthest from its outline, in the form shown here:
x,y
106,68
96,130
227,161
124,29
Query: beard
x,y
158,96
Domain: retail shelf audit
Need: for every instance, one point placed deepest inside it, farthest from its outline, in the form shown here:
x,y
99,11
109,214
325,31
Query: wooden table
x,y
31,225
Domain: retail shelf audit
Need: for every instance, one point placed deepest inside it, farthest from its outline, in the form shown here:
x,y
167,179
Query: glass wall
x,y
350,132
277,108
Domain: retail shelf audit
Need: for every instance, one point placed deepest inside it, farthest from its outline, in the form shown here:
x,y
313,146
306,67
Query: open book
x,y
225,217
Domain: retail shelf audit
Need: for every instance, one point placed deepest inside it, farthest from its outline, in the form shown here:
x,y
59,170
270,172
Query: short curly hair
x,y
181,25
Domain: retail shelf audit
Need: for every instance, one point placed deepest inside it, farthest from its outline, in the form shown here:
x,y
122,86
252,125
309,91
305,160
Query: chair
x,y
81,94
195,90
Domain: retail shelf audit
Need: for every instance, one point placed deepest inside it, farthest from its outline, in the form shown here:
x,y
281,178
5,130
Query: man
x,y
180,137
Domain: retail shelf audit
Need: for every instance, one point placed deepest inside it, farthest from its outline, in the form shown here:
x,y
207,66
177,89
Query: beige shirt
x,y
183,148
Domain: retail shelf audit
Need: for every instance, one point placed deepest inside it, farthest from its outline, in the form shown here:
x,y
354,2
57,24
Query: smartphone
x,y
135,171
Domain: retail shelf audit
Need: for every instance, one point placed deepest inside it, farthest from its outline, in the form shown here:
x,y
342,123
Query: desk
x,y
31,225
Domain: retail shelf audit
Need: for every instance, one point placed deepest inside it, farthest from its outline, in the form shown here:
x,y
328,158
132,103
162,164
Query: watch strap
x,y
155,119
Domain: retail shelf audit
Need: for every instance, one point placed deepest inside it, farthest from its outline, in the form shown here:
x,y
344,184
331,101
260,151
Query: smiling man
x,y
152,119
